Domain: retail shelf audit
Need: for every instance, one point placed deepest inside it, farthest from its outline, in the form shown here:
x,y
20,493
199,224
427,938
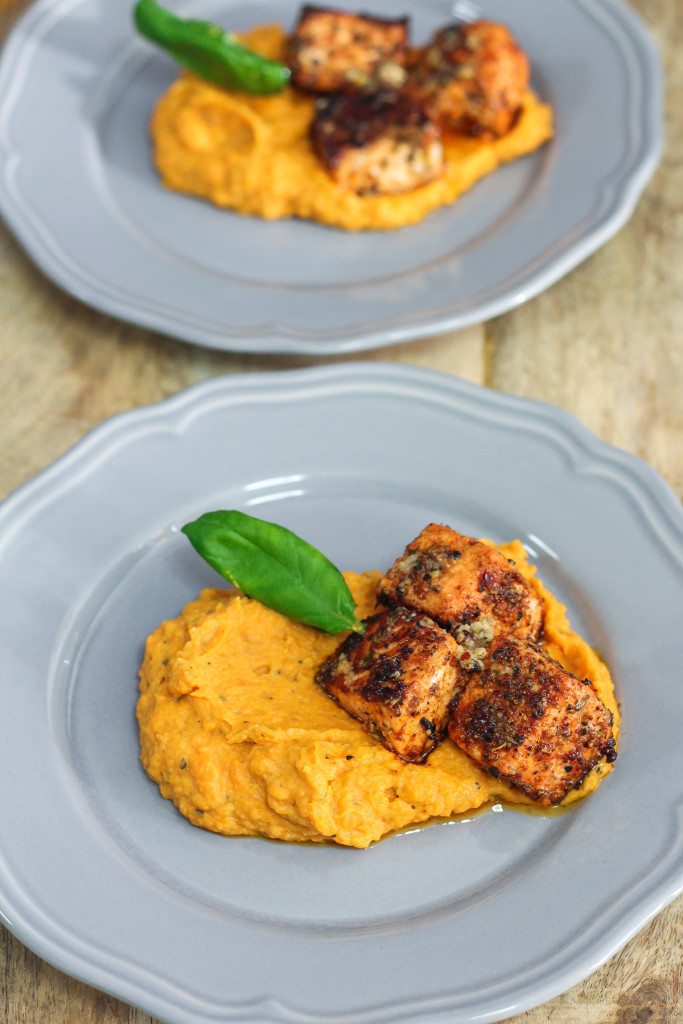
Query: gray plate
x,y
78,188
474,920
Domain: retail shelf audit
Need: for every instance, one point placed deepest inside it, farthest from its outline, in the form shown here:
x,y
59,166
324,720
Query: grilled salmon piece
x,y
337,51
527,721
399,679
376,143
472,78
467,587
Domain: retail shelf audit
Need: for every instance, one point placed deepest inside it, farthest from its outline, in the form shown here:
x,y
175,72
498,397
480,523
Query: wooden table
x,y
606,343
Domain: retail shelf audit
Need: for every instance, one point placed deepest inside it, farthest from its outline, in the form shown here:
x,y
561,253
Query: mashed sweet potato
x,y
238,735
252,154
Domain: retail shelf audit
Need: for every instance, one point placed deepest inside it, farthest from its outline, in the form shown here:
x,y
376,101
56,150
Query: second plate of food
x,y
177,264
459,921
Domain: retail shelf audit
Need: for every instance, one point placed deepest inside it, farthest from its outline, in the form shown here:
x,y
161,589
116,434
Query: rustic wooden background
x,y
606,343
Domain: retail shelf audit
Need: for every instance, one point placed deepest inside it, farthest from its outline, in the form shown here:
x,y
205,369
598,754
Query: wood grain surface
x,y
605,343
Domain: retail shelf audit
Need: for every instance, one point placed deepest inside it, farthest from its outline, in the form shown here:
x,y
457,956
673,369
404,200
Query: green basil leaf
x,y
208,51
279,569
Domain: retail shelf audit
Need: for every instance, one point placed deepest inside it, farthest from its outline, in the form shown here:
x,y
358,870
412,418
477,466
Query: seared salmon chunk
x,y
527,721
472,78
399,679
466,586
334,51
376,143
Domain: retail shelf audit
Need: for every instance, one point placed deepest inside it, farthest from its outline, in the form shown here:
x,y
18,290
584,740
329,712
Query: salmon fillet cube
x,y
466,586
376,143
472,78
527,721
399,679
334,51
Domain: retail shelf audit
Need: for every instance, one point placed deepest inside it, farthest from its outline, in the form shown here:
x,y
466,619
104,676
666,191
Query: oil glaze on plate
x,y
79,190
474,920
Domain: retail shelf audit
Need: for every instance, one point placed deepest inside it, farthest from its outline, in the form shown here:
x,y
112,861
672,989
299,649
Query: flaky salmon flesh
x,y
399,679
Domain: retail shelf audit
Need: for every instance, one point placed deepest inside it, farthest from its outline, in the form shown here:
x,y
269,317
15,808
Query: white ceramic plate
x,y
474,920
78,188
